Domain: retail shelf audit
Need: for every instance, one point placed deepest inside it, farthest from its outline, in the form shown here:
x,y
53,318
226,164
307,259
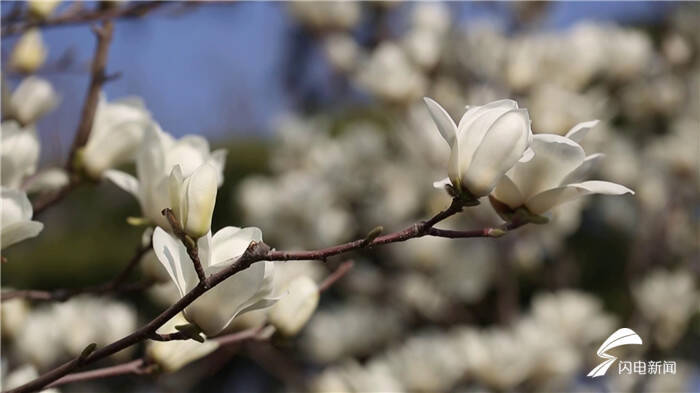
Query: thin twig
x,y
117,284
336,275
97,78
189,243
79,16
256,251
138,366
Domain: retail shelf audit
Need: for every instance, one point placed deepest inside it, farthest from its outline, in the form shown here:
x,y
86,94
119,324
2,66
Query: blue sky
x,y
216,69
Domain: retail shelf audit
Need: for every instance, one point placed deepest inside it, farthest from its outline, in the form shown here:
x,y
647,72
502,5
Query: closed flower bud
x,y
488,141
43,8
31,100
295,307
29,53
192,199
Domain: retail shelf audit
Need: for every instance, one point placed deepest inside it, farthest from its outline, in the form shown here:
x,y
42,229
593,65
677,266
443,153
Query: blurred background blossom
x,y
319,106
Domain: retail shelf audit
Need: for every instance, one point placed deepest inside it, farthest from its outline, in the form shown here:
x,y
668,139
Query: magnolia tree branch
x,y
117,284
97,78
143,366
79,15
256,252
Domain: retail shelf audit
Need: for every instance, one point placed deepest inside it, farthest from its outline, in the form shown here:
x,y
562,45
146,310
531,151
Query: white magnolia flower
x,y
29,52
245,291
193,198
31,100
16,213
159,154
488,141
173,355
19,153
553,176
296,306
117,131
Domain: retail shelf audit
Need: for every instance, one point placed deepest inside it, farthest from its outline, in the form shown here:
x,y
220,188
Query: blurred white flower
x,y
19,153
29,52
496,357
552,176
192,198
245,291
20,376
159,154
46,180
117,132
43,8
489,140
326,14
342,51
173,355
296,305
13,315
31,100
389,74
668,300
431,16
16,224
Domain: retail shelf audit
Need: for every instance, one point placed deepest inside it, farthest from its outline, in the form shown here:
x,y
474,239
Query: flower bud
x,y
193,198
295,307
29,52
42,9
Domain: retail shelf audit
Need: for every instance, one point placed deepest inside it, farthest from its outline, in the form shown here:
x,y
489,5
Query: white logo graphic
x,y
621,337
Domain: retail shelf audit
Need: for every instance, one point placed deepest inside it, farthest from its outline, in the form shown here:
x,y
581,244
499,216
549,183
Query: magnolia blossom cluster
x,y
543,348
46,335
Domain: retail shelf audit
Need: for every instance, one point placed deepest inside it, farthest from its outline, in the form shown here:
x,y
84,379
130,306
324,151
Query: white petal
x,y
474,126
555,157
507,192
214,310
177,192
124,181
528,154
502,146
443,121
15,206
579,131
173,256
231,242
19,231
218,160
201,198
583,170
545,201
